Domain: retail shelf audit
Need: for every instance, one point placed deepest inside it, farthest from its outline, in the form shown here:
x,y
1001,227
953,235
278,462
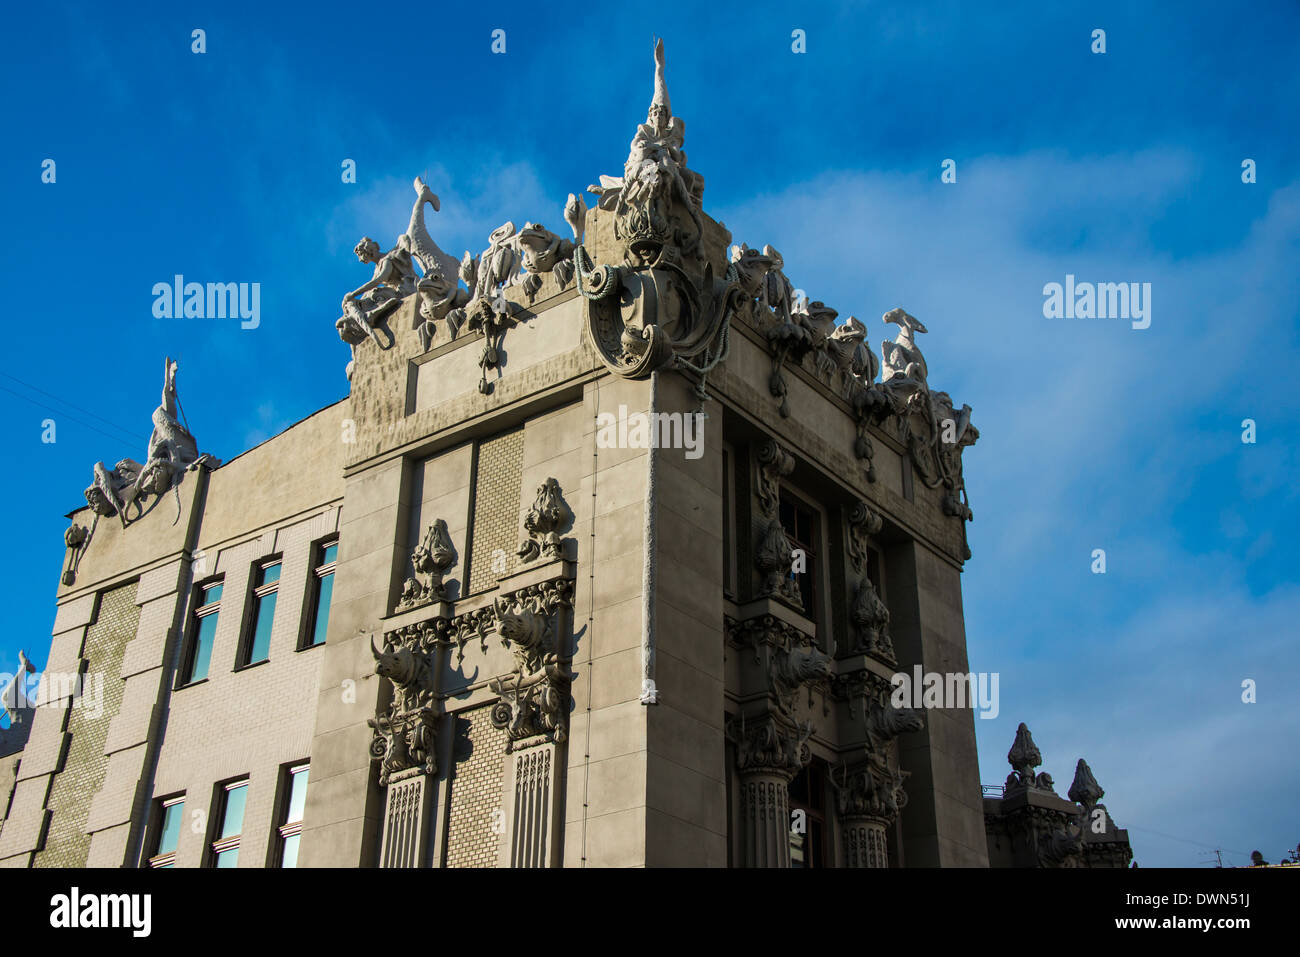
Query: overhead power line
x,y
70,405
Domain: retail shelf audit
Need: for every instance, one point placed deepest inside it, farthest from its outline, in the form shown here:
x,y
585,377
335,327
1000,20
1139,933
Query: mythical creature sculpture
x,y
886,722
661,307
845,352
534,697
794,668
655,178
543,251
487,276
904,365
395,278
172,450
405,733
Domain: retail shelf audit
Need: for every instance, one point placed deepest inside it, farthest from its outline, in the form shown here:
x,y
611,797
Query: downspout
x,y
649,693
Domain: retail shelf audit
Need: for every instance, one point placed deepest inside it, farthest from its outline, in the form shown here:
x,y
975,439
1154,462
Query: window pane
x,y
290,858
204,638
170,829
297,797
330,554
232,821
325,593
211,593
271,573
265,617
228,858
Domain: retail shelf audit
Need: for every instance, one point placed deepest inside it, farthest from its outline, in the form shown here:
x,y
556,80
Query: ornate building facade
x,y
607,559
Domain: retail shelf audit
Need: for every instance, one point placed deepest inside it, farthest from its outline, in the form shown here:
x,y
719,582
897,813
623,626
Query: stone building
x,y
607,559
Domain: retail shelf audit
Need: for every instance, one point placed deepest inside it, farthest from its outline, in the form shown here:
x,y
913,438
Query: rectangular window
x,y
225,848
266,584
808,829
800,524
293,801
203,632
171,812
322,590
728,524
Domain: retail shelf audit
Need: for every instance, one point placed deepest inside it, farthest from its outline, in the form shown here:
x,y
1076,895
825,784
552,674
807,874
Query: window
x,y
322,590
294,792
266,584
800,524
170,813
203,632
808,817
230,818
728,523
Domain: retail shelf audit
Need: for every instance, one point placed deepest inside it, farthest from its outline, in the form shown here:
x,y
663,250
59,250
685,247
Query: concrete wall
x,y
155,741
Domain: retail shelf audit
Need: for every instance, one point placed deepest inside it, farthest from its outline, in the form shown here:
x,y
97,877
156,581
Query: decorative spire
x,y
1085,790
661,88
1024,757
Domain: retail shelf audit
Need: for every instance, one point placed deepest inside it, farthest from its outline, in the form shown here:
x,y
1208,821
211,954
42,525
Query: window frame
x,y
818,818
160,859
317,572
286,829
815,551
216,845
185,673
253,608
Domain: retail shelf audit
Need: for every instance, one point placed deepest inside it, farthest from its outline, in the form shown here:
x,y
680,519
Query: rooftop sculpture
x,y
664,298
124,489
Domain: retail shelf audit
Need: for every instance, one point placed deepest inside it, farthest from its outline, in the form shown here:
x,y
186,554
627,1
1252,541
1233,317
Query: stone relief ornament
x,y
774,559
171,452
429,562
864,522
549,516
405,733
769,744
871,623
535,695
871,790
794,668
774,464
487,311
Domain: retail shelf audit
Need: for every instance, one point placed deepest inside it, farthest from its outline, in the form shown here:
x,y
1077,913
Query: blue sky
x,y
1125,166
